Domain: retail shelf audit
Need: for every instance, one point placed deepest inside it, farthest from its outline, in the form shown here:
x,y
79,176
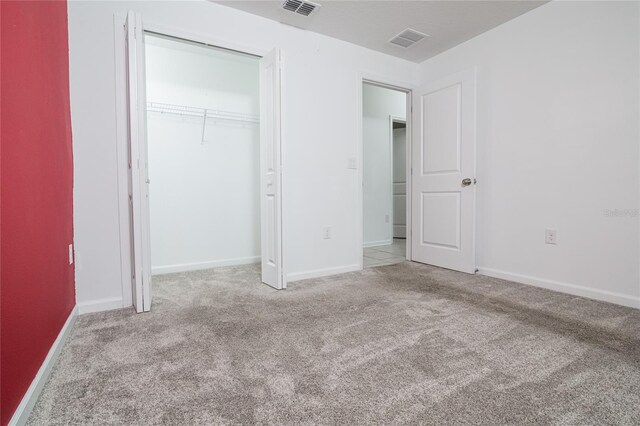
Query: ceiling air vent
x,y
300,7
408,38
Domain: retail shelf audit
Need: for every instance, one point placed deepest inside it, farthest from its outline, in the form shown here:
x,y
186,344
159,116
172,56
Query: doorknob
x,y
467,181
147,180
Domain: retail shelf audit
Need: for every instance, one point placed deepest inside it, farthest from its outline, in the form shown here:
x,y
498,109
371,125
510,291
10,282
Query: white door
x,y
270,170
443,189
138,163
399,141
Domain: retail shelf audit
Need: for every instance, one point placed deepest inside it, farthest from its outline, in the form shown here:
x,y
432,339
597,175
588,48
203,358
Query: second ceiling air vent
x,y
300,7
408,38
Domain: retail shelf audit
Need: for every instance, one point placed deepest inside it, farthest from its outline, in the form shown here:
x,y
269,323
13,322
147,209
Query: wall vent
x,y
301,7
408,38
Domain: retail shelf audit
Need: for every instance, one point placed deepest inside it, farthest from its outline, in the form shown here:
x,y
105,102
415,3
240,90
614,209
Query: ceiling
x,y
372,24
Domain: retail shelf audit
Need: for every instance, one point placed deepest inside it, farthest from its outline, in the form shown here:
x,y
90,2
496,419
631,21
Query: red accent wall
x,y
36,170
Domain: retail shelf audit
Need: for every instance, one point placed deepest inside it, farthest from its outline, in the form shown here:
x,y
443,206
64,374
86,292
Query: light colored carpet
x,y
405,343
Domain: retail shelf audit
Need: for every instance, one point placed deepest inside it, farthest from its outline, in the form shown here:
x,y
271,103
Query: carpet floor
x,y
404,343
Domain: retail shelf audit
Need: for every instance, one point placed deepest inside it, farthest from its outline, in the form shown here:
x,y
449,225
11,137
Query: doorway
x,y
385,174
210,138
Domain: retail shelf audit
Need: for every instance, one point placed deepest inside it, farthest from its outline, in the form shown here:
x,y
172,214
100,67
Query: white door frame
x,y
396,119
121,98
394,85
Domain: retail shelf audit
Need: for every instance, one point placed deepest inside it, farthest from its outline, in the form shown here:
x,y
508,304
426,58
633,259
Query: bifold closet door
x,y
443,175
270,169
138,164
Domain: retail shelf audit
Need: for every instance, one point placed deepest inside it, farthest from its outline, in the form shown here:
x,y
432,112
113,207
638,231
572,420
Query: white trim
x,y
378,243
574,289
189,35
123,164
99,305
30,397
402,86
317,273
196,266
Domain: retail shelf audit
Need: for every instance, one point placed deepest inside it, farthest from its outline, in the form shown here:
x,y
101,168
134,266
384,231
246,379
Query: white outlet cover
x,y
326,232
70,254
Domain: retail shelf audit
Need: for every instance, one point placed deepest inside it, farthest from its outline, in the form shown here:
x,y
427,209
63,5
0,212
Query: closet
x,y
203,148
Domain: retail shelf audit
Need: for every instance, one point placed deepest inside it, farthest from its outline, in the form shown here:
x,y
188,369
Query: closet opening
x,y
203,143
385,160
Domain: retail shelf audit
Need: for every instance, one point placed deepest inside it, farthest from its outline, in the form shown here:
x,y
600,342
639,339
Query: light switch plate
x,y
551,236
70,254
353,163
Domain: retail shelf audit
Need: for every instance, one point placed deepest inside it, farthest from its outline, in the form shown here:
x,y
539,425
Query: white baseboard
x,y
30,398
168,269
100,305
317,273
378,243
576,290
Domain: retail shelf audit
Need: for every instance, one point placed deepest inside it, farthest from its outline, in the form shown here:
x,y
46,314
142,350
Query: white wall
x,y
321,104
557,141
204,197
378,104
558,115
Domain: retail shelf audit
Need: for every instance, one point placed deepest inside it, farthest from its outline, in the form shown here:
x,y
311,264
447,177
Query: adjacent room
x,y
384,168
320,212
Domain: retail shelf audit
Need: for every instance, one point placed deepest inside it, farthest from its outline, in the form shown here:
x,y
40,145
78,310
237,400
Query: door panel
x,y
441,219
441,138
400,183
271,163
444,155
138,164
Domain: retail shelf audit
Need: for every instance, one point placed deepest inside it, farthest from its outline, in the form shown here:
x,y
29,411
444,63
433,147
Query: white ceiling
x,y
373,23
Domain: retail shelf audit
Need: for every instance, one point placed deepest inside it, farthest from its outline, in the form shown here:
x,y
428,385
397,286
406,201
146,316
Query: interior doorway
x,y
385,174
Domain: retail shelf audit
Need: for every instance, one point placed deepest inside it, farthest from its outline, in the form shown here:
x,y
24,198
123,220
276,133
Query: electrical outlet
x,y
352,164
551,236
326,232
70,254
386,218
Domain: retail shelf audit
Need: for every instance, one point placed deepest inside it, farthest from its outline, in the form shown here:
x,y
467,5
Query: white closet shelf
x,y
205,113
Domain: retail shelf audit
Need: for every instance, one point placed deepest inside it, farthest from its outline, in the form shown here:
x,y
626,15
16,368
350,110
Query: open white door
x,y
138,164
443,189
270,170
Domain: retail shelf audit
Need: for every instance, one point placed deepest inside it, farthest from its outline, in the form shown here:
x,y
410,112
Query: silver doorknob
x,y
147,180
466,182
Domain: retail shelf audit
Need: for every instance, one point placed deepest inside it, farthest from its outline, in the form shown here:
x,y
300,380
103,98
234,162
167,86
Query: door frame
x,y
408,89
121,99
396,119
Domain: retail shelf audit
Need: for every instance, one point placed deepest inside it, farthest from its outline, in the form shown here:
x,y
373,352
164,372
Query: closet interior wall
x,y
203,134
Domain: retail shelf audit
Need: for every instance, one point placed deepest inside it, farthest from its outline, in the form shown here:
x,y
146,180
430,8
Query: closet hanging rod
x,y
187,111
